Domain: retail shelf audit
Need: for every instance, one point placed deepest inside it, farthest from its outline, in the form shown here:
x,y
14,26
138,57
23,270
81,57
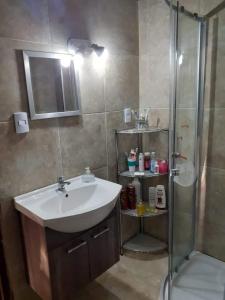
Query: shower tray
x,y
201,277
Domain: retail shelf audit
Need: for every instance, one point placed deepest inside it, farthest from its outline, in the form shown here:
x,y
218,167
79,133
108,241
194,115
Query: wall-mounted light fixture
x,y
82,48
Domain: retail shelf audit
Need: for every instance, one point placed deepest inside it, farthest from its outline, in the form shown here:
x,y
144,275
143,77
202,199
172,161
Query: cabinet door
x,y
103,247
69,268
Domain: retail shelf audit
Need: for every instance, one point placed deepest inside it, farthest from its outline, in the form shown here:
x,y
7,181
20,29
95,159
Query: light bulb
x,y
65,62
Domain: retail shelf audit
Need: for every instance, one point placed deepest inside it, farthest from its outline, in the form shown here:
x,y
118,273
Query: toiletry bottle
x,y
141,162
124,199
160,197
153,161
147,161
137,185
131,196
156,168
151,198
163,166
140,208
88,176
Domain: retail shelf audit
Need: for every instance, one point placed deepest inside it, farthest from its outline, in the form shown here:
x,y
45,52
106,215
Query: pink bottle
x,y
163,166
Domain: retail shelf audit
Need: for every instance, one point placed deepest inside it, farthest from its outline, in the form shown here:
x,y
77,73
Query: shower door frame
x,y
174,26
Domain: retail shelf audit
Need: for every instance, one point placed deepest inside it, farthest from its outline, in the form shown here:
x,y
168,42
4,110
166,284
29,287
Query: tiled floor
x,y
130,279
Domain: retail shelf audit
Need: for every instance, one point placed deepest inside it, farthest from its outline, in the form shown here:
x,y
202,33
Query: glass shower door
x,y
184,137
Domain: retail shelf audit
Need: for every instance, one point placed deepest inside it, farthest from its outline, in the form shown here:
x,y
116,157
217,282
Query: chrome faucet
x,y
62,183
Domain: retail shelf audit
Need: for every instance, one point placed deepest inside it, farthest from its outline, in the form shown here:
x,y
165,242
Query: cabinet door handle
x,y
101,233
76,248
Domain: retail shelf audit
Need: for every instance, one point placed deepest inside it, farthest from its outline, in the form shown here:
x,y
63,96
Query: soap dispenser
x,y
88,176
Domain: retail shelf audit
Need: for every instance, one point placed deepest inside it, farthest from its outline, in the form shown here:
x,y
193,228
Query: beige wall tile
x,y
123,25
157,227
154,25
91,87
191,5
73,19
121,82
129,228
28,161
159,117
93,21
216,145
212,240
114,120
154,81
154,29
25,20
207,5
83,143
101,173
214,198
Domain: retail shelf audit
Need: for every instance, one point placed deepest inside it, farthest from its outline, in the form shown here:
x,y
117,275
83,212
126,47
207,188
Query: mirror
x,y
52,85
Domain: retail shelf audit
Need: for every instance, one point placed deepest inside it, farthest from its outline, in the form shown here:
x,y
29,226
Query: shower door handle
x,y
174,172
179,155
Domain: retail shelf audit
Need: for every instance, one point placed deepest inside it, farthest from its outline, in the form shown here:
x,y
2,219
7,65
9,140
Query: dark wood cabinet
x,y
59,264
69,268
105,241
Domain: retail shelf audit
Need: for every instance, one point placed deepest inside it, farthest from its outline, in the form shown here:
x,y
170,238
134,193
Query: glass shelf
x,y
144,243
146,174
144,130
133,213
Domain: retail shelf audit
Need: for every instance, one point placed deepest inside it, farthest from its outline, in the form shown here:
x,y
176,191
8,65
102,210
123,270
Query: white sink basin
x,y
81,207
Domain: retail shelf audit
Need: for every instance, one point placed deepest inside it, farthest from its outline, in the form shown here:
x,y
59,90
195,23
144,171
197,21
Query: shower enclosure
x,y
196,260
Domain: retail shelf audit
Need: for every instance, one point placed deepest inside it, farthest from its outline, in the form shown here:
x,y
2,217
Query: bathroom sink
x,y
80,207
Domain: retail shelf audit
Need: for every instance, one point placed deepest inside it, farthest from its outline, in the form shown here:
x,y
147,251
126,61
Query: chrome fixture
x,y
84,47
99,50
62,183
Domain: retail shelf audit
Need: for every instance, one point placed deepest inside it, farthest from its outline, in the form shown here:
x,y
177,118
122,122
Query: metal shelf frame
x,y
142,242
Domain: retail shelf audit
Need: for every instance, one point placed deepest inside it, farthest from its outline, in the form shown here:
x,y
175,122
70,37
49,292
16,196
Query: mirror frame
x,y
27,54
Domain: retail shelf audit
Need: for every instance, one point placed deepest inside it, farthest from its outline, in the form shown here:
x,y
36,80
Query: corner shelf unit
x,y
141,242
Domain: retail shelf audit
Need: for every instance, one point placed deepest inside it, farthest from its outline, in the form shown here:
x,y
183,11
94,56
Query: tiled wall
x,y
154,37
212,201
61,146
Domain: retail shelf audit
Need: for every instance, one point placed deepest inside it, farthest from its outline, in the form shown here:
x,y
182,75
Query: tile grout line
x,y
106,126
61,169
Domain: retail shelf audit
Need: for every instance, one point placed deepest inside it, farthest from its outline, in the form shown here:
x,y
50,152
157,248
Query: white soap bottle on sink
x,y
88,176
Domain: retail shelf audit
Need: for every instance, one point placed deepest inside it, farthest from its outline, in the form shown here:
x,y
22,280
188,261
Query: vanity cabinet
x,y
69,268
59,264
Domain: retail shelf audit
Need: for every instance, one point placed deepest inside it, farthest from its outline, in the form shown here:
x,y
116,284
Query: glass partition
x,y
184,134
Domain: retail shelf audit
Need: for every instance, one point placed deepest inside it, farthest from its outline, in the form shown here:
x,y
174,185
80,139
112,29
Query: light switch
x,y
127,115
21,122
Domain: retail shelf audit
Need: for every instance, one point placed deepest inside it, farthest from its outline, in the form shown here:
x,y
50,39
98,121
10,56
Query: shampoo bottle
x,y
160,197
141,162
137,185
